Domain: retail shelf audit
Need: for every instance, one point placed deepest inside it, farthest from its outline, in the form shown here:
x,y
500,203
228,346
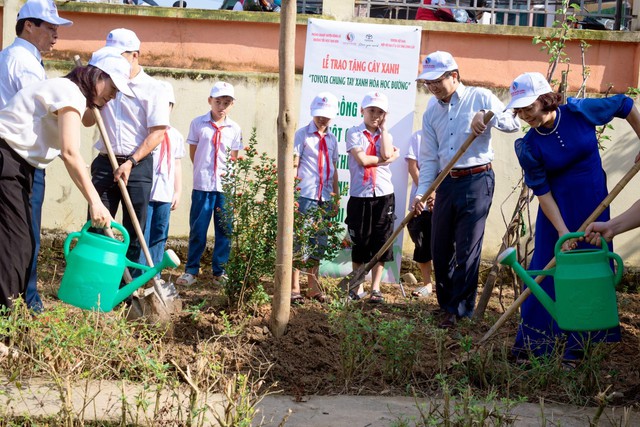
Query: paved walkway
x,y
103,401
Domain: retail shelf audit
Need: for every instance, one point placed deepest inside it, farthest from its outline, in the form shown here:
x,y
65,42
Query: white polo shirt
x,y
20,67
412,153
128,119
28,123
200,134
164,170
356,138
306,147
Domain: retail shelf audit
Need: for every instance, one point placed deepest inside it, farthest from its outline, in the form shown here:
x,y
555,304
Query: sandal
x,y
422,291
187,279
320,297
376,297
297,298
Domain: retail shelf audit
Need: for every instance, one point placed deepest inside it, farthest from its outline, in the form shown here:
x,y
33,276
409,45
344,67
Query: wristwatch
x,y
133,161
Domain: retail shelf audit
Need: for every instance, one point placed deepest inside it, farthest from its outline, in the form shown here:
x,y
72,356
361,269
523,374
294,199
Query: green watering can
x,y
584,283
95,268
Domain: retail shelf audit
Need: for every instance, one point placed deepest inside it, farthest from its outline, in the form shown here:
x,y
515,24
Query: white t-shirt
x,y
20,67
29,124
200,134
164,170
358,188
306,146
128,119
413,153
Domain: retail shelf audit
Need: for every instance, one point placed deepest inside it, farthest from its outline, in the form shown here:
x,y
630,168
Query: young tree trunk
x,y
280,307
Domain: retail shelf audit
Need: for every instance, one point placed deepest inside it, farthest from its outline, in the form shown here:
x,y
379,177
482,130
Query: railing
x,y
592,14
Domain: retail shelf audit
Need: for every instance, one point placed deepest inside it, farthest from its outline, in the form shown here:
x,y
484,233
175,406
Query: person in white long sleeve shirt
x,y
462,201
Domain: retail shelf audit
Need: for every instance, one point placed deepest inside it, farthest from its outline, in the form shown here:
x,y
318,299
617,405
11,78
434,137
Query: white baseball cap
x,y
526,88
376,99
124,40
436,64
168,88
114,64
42,9
325,104
222,89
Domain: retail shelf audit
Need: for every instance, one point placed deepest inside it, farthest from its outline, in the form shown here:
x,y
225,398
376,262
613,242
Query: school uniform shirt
x,y
201,135
20,66
165,156
445,127
359,188
306,146
412,154
128,119
28,123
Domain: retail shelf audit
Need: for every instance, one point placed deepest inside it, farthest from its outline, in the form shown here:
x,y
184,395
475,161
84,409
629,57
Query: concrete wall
x,y
256,106
242,48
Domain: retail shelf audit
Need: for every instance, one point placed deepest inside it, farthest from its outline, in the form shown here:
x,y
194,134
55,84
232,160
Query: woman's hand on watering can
x,y
100,215
569,244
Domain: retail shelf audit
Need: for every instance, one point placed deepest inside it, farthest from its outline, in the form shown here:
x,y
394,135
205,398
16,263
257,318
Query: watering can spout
x,y
169,260
509,257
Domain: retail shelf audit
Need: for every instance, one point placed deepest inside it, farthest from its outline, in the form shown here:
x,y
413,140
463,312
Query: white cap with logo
x,y
376,99
436,64
526,88
325,104
114,64
42,9
222,89
124,40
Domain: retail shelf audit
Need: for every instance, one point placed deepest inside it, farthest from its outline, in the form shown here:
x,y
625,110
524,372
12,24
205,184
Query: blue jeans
x,y
204,205
37,198
156,231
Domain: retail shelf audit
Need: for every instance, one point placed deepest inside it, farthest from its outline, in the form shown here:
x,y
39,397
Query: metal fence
x,y
591,14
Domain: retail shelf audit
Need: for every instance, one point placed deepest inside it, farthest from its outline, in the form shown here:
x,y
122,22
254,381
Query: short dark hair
x,y
20,24
177,3
87,78
550,101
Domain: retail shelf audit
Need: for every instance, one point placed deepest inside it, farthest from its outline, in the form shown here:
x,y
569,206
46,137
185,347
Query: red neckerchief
x,y
370,171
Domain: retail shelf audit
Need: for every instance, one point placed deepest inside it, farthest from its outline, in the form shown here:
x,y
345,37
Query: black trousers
x,y
139,188
16,233
459,215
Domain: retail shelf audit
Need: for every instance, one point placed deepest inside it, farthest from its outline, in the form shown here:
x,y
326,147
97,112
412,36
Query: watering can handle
x,y
576,235
117,226
68,240
619,267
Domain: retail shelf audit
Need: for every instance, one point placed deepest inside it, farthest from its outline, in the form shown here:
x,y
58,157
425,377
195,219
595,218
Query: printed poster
x,y
350,59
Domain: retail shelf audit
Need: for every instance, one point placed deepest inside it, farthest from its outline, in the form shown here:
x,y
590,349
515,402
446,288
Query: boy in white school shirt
x,y
213,137
315,151
371,206
166,188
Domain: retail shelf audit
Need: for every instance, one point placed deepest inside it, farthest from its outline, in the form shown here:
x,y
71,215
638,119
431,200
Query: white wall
x,y
257,106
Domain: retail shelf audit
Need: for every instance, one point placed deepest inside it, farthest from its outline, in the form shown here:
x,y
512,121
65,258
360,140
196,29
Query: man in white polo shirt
x,y
135,127
21,66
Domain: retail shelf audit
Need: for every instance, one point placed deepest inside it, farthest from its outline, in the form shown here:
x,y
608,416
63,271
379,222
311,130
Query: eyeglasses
x,y
438,82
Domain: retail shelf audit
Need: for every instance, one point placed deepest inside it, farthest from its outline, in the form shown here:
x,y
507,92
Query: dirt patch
x,y
307,360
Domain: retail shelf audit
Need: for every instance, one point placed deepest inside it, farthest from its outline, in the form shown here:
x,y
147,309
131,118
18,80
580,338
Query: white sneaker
x,y
187,279
220,280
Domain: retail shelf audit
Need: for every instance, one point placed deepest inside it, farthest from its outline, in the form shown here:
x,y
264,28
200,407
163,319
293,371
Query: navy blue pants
x,y
459,215
37,199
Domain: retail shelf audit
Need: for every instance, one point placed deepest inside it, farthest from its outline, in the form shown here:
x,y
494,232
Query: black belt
x,y
457,173
122,159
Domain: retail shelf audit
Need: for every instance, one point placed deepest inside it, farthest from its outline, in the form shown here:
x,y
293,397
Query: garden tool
x,y
353,279
95,267
585,285
594,215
